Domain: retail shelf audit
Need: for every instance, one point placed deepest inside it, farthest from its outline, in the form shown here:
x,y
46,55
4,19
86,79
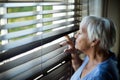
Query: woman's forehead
x,y
83,27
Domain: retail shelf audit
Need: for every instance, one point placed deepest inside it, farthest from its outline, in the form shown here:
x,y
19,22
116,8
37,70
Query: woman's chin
x,y
76,47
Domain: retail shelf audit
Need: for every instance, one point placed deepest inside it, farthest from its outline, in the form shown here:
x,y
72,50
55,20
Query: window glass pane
x,y
21,9
47,15
21,19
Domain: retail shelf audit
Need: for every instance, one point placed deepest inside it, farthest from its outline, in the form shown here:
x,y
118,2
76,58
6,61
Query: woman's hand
x,y
71,46
76,61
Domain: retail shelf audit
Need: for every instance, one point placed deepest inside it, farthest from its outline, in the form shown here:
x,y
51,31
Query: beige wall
x,y
114,14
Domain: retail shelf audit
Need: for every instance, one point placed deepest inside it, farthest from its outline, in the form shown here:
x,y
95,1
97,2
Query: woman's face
x,y
82,42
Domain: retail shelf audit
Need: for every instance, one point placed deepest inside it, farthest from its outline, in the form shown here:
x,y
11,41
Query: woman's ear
x,y
95,42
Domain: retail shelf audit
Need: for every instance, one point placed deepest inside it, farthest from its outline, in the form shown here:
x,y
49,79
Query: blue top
x,y
107,70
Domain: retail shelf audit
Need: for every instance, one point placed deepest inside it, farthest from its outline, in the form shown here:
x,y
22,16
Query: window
x,y
30,37
20,19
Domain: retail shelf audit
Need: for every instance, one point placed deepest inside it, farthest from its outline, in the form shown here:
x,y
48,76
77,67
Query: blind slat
x,y
33,4
37,37
31,22
24,14
33,65
34,30
60,72
24,45
41,69
29,57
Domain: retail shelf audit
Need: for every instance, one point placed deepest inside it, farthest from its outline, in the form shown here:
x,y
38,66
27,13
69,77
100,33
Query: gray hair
x,y
102,29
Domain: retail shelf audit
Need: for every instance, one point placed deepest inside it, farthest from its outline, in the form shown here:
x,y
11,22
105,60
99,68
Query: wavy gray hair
x,y
102,29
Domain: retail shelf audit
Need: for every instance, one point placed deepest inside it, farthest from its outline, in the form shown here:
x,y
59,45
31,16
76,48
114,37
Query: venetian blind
x,y
30,37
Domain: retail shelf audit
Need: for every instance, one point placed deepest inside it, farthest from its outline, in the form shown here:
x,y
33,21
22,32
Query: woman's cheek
x,y
81,44
78,44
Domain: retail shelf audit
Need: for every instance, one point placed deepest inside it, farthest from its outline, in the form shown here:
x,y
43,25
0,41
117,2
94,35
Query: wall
x,y
114,14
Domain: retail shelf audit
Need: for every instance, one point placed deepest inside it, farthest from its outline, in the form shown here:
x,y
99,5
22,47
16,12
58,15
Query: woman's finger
x,y
68,51
63,43
69,41
67,38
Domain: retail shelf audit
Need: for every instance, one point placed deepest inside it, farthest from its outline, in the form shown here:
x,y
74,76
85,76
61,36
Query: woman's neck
x,y
97,55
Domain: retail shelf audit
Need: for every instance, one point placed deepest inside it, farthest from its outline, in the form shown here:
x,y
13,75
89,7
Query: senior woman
x,y
94,38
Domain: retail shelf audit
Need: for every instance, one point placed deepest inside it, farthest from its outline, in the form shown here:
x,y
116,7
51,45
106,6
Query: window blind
x,y
30,37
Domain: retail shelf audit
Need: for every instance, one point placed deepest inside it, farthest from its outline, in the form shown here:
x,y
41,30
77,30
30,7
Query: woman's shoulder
x,y
111,62
108,66
113,56
103,75
106,71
